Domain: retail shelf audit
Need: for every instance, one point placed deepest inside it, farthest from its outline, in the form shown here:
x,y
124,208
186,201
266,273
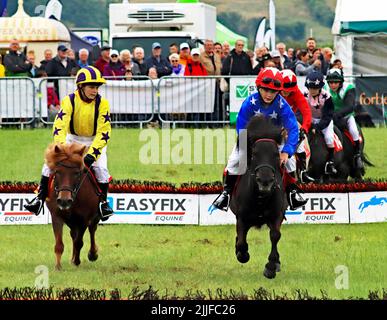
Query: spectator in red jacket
x,y
104,59
300,107
194,67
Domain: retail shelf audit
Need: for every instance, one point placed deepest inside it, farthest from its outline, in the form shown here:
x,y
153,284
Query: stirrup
x,y
107,213
295,203
330,168
35,206
305,178
222,201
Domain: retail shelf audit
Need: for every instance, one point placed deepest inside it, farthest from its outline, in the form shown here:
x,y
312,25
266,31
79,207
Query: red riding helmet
x,y
289,83
270,78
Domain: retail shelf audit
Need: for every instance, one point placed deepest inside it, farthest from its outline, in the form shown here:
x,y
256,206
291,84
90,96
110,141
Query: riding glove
x,y
88,160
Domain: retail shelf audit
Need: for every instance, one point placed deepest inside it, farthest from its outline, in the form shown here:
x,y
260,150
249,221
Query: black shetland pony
x,y
319,157
73,200
349,153
344,160
259,196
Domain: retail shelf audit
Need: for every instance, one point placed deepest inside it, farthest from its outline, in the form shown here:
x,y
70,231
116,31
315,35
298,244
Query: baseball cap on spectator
x,y
156,45
265,57
275,54
184,45
114,52
62,47
105,47
195,51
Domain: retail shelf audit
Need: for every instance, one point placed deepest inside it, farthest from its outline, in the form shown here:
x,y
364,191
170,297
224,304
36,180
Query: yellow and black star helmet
x,y
89,75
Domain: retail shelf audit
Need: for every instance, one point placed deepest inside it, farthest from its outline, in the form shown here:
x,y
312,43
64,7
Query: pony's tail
x,y
365,159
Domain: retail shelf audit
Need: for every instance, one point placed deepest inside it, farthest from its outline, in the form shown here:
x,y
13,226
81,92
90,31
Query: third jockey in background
x,y
269,103
300,107
321,105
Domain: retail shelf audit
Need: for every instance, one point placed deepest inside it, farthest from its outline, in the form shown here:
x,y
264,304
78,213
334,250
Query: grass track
x,y
199,258
188,257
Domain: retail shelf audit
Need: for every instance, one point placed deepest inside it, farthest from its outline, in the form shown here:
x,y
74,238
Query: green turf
x,y
22,156
181,258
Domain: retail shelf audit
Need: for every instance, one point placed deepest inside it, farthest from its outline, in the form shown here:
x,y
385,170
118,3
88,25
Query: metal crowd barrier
x,y
18,101
171,100
191,100
131,101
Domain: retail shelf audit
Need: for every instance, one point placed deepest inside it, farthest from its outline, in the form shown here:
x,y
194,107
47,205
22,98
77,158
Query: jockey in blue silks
x,y
266,102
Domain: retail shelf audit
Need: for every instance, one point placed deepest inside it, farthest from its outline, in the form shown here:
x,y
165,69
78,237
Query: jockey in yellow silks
x,y
84,117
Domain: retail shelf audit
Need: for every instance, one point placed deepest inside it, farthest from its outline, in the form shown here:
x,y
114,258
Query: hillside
x,y
296,19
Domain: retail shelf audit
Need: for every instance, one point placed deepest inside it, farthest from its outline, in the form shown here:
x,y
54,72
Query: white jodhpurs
x,y
237,161
352,128
301,147
327,132
100,166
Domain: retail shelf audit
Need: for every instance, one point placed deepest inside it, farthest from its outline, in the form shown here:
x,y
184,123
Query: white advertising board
x,y
368,207
153,208
12,210
321,208
208,215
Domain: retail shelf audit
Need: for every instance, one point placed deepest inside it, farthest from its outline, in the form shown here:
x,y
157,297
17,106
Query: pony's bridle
x,y
74,190
265,165
275,185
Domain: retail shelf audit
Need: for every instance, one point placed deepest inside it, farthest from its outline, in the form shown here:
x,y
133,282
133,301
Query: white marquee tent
x,y
360,36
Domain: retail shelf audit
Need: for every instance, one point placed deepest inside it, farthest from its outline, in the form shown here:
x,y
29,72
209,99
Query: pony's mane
x,y
72,152
260,127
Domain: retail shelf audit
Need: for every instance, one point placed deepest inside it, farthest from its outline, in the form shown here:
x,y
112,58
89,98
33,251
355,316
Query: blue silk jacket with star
x,y
278,111
83,122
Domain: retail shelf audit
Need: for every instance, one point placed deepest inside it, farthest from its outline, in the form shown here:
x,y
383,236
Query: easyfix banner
x,y
321,208
155,208
368,207
12,210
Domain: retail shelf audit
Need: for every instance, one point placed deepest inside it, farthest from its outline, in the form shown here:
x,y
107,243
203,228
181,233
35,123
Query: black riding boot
x,y
295,200
358,162
106,211
36,205
330,165
223,200
304,177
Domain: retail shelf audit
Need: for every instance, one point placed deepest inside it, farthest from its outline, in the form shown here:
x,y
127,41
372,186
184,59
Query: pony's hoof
x,y
76,263
270,274
243,257
92,256
58,267
277,267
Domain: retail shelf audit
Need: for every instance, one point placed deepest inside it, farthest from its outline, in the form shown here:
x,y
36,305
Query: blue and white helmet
x,y
314,79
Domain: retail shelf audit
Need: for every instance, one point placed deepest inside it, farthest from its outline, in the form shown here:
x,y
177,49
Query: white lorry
x,y
141,24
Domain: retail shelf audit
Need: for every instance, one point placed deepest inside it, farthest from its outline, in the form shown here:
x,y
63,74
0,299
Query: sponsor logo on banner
x,y
242,91
321,208
12,210
374,201
368,206
154,208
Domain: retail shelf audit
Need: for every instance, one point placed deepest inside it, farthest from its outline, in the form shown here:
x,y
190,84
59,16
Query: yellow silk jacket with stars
x,y
85,120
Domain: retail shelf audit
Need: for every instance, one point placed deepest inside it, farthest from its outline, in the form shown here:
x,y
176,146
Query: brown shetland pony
x,y
73,199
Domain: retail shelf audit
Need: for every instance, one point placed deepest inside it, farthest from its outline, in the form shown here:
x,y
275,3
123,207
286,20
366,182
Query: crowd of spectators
x,y
211,59
178,60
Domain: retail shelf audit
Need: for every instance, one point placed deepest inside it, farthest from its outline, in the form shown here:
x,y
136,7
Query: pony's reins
x,y
78,186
